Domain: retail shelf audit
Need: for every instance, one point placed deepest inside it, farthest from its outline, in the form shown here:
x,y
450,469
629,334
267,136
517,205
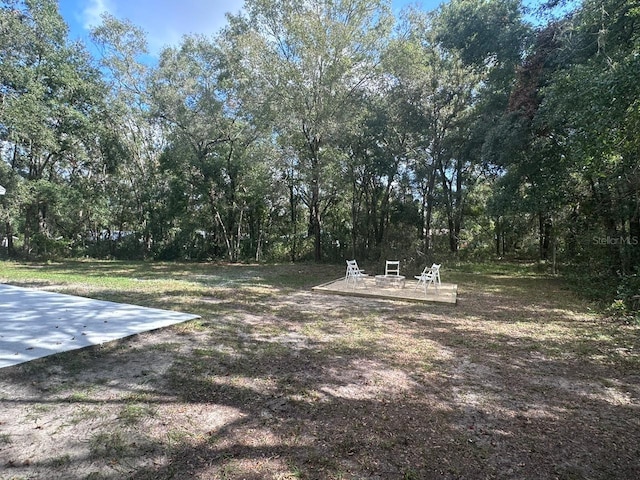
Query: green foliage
x,y
483,30
314,130
307,61
51,96
627,301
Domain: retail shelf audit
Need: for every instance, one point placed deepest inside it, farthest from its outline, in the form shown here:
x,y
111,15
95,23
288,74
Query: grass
x,y
522,379
108,445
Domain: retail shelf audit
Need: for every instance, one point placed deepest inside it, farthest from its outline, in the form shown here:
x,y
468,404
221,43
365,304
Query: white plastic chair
x,y
429,276
392,268
354,275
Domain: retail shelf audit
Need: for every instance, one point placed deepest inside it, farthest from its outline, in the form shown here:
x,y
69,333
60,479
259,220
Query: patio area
x,y
38,323
446,293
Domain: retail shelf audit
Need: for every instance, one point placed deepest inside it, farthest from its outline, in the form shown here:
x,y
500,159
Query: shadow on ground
x,y
518,381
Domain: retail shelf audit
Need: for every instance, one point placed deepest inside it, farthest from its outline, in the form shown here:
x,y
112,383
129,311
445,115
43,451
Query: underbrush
x,y
615,294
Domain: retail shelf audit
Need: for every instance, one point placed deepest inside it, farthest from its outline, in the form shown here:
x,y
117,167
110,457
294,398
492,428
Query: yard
x,y
519,380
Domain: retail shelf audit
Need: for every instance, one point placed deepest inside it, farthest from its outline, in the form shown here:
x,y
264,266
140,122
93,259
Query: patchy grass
x,y
520,380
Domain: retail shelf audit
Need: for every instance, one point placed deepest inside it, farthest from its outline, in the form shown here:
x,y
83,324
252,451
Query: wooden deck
x,y
447,292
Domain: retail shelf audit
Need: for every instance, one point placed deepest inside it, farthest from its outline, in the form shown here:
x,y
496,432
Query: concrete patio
x,y
37,323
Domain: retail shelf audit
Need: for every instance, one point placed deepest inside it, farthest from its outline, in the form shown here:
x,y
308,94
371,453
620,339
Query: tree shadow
x,y
502,386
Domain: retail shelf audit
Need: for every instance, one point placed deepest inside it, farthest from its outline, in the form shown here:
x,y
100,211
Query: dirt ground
x,y
520,380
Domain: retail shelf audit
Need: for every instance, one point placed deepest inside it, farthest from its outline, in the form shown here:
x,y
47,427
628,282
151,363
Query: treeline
x,y
328,129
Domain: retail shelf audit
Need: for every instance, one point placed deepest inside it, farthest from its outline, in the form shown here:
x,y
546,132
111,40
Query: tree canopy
x,y
328,129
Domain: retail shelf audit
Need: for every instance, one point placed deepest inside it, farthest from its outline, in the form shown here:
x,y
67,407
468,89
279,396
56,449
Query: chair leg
x,y
433,282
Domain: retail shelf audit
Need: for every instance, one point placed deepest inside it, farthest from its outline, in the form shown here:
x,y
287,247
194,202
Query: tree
x,y
490,38
305,61
436,91
591,108
211,144
132,140
534,169
375,143
49,92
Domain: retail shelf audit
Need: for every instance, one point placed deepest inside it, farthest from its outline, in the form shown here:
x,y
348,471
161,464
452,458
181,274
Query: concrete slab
x,y
447,292
36,323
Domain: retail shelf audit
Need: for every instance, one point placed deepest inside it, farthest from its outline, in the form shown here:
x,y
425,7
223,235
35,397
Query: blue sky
x,y
166,21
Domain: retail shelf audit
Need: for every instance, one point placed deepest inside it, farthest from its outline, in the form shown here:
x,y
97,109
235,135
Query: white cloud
x,y
164,21
90,15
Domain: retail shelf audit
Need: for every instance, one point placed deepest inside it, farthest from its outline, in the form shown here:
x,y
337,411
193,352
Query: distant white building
x,y
2,190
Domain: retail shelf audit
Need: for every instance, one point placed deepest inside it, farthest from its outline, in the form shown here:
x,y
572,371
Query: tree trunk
x,y
554,254
355,208
634,239
314,210
9,231
545,233
427,214
294,222
315,228
454,202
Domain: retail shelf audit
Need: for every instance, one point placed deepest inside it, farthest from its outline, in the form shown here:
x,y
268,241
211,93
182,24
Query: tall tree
x,y
305,61
524,146
133,139
436,89
591,107
49,93
376,144
211,142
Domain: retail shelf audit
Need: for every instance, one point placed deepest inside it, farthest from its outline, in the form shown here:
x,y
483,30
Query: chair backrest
x,y
392,267
431,271
435,272
352,268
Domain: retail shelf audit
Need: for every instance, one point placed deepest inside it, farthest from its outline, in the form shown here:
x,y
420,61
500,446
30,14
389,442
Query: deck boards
x,y
447,292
